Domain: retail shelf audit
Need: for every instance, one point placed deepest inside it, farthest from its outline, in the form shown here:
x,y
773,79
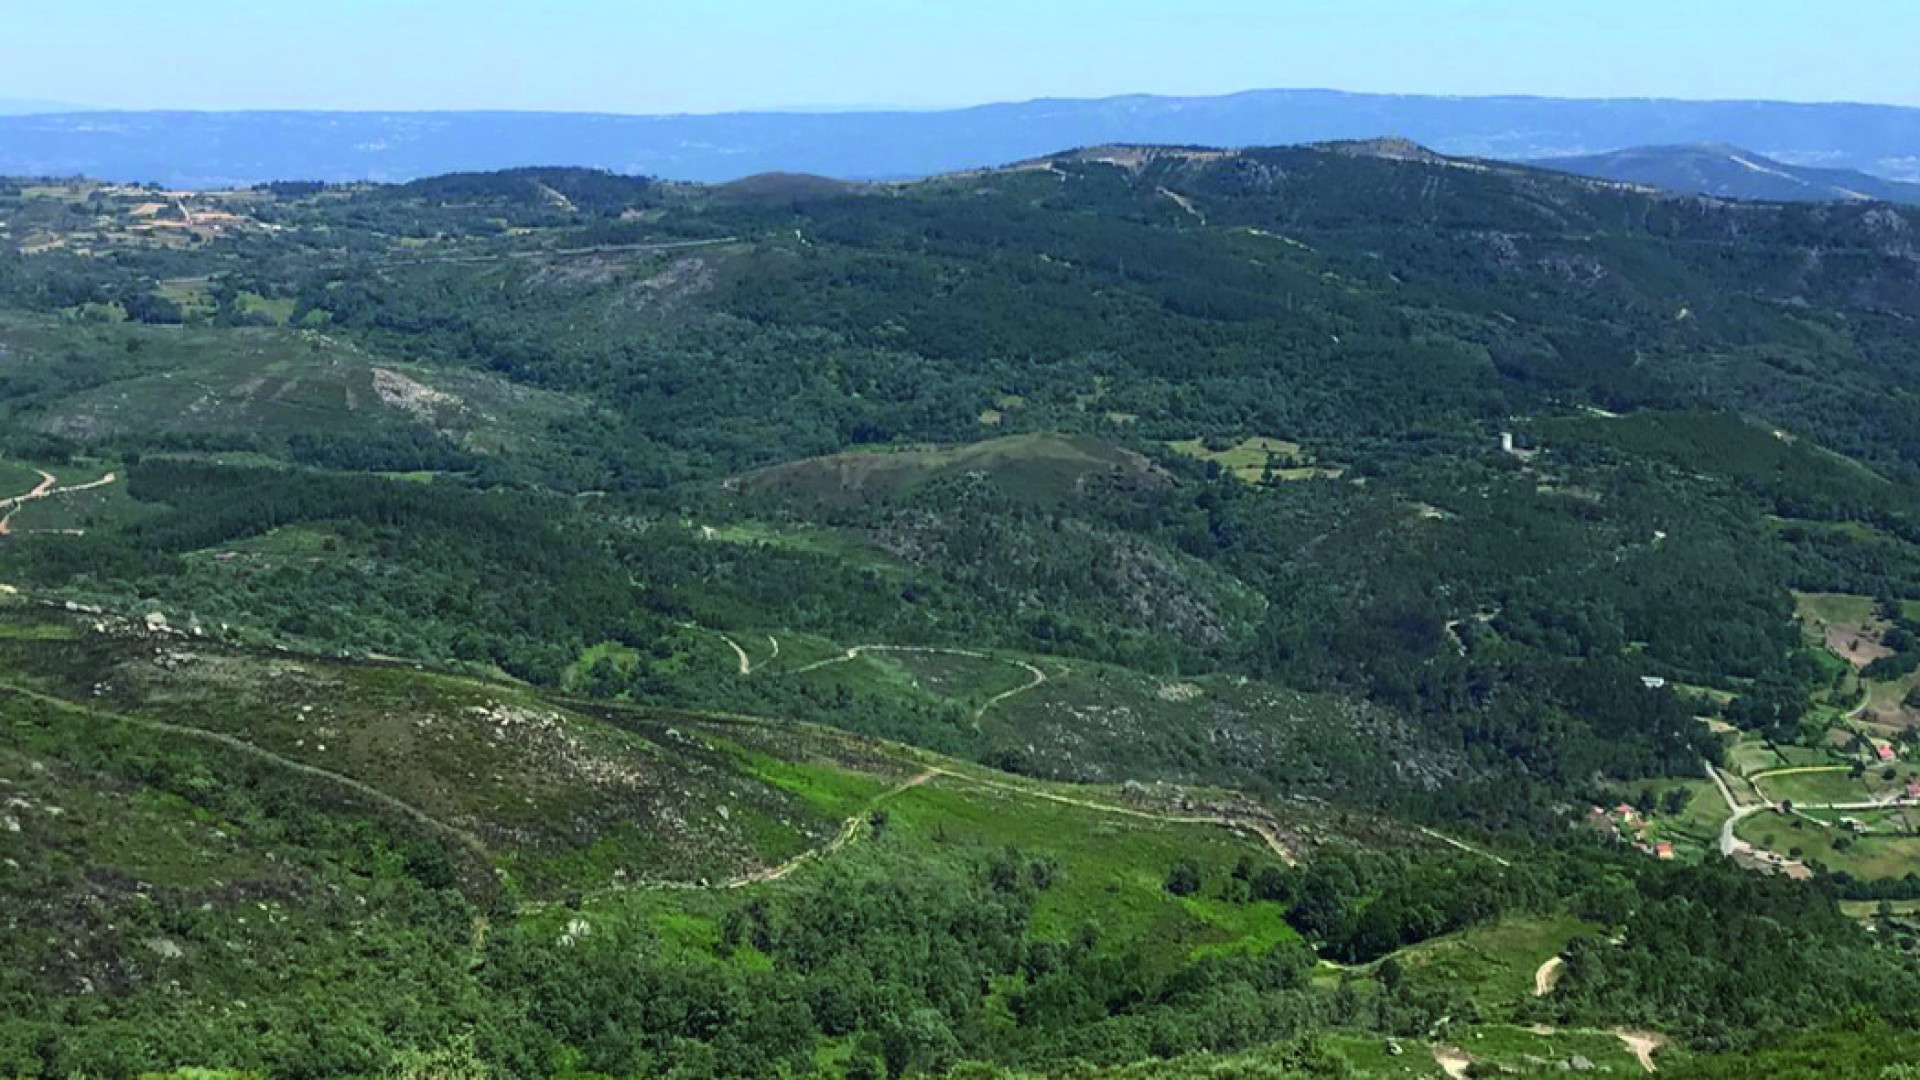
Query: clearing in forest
x,y
1028,468
1256,460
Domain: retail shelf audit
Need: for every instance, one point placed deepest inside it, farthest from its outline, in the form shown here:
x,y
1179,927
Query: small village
x,y
1844,799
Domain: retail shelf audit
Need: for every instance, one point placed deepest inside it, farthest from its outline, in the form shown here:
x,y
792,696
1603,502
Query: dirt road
x,y
1797,770
1548,976
848,830
746,664
1185,203
239,745
12,505
562,253
1265,831
858,651
1036,676
1643,1044
1469,849
1452,1060
45,489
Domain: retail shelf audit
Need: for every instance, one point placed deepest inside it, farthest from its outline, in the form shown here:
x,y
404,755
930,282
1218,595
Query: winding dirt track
x,y
1468,848
747,666
45,489
40,491
858,651
1643,1044
242,746
1037,676
848,830
1262,829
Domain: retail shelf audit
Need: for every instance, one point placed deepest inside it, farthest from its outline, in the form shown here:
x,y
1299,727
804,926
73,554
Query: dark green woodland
x,y
1331,611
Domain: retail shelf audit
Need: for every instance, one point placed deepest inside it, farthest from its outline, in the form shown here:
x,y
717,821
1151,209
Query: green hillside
x,y
1024,468
1312,611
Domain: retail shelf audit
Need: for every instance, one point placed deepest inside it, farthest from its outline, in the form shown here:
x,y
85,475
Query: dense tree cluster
x,y
1494,588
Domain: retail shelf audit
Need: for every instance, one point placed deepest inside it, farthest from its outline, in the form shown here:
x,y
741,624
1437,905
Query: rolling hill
x,y
183,149
206,826
1732,173
1145,608
1025,468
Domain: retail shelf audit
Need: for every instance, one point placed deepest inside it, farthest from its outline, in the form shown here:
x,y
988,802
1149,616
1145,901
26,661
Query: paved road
x,y
1738,811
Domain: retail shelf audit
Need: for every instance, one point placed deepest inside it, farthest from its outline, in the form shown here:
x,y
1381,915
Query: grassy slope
x,y
146,382
17,478
1037,468
297,798
555,798
1247,460
1870,856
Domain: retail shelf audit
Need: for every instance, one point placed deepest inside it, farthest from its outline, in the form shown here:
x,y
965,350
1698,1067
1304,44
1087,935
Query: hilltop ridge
x,y
1144,602
202,150
1727,171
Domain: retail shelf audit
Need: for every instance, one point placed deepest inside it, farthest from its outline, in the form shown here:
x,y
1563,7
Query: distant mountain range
x,y
190,149
1730,172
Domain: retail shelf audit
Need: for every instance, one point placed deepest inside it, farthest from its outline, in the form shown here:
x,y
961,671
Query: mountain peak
x,y
1389,147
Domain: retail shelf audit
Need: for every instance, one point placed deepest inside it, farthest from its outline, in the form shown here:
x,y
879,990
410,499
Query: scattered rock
x,y
409,395
1179,691
576,930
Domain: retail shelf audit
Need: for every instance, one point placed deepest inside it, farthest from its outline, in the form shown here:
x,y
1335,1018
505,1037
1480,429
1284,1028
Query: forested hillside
x,y
1316,611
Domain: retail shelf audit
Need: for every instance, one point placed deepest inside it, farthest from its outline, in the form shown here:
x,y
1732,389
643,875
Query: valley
x,y
1322,611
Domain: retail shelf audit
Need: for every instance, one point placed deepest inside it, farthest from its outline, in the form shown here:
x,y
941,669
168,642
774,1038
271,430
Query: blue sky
x,y
704,56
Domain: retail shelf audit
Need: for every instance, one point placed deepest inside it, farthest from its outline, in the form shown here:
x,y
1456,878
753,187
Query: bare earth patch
x,y
1548,976
1643,1044
1452,1060
1855,643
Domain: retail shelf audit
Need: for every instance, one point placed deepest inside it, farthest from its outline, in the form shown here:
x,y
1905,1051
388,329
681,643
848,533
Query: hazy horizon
x,y
45,106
